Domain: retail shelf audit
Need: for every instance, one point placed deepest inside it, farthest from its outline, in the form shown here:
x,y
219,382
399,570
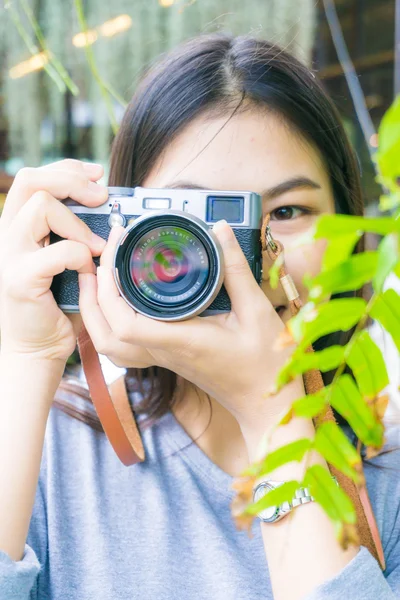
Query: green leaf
x,y
281,456
284,493
300,362
386,310
367,364
346,399
307,407
274,271
389,201
334,226
313,322
332,443
349,275
330,496
311,405
388,258
339,249
388,152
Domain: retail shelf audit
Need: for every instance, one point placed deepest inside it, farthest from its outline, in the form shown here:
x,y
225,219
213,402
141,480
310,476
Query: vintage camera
x,y
169,264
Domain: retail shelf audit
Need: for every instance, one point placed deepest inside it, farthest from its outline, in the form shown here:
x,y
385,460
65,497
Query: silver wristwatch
x,y
273,514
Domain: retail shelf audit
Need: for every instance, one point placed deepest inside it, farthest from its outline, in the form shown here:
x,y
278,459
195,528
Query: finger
x,y
107,256
66,254
99,330
94,170
132,327
61,180
42,214
36,270
239,281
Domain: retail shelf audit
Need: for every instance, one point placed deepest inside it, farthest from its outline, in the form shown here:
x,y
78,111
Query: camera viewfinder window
x,y
229,208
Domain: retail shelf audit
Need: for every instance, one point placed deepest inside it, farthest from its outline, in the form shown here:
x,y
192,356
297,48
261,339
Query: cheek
x,y
301,261
304,260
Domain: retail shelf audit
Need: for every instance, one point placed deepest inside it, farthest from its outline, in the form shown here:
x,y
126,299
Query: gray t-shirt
x,y
162,529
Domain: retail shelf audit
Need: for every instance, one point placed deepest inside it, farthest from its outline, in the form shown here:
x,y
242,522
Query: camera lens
x,y
169,266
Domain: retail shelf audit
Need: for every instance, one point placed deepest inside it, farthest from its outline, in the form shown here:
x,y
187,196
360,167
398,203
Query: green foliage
x,y
294,451
350,275
334,226
389,149
357,396
386,310
283,493
303,361
346,398
307,407
313,322
332,498
366,362
388,259
338,249
334,446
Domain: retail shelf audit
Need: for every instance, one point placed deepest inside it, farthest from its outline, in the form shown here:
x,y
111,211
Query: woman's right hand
x,y
30,320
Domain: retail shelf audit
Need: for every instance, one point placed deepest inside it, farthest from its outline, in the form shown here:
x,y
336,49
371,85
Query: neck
x,y
212,427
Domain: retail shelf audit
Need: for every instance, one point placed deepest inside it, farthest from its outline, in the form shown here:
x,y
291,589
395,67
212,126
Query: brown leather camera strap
x,y
112,405
313,382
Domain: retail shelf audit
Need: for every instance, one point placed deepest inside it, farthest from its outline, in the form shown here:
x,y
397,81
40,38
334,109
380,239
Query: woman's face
x,y
256,152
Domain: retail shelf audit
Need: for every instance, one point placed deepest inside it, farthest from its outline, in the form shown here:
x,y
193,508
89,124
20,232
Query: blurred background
x,y
45,117
69,67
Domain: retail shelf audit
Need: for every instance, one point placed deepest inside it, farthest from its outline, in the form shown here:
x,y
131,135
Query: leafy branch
x,y
358,398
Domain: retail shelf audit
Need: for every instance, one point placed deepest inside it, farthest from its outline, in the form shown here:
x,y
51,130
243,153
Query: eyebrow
x,y
294,183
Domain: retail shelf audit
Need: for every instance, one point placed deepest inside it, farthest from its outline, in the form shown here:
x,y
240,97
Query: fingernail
x,y
97,188
116,232
223,230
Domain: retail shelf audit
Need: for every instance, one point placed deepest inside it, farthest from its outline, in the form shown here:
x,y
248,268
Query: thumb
x,y
239,280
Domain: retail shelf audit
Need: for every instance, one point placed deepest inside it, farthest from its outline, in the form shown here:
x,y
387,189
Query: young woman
x,y
218,113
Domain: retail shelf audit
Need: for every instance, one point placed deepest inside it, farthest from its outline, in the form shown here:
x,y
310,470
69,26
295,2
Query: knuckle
x,y
120,361
72,163
40,200
237,268
101,345
120,330
188,350
24,175
78,248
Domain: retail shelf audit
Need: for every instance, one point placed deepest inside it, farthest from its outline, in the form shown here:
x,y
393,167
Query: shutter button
x,y
116,218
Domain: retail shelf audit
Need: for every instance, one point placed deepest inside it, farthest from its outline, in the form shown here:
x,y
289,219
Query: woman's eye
x,y
286,213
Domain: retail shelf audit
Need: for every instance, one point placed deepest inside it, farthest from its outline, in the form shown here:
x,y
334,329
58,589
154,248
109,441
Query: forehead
x,y
253,151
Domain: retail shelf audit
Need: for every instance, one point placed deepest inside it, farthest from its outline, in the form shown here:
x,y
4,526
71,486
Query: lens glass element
x,y
169,265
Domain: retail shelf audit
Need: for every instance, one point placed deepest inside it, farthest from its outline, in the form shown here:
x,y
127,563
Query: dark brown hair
x,y
221,74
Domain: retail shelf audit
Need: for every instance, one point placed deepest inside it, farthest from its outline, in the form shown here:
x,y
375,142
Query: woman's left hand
x,y
230,356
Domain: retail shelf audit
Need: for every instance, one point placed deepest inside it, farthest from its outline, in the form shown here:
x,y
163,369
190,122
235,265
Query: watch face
x,y
270,513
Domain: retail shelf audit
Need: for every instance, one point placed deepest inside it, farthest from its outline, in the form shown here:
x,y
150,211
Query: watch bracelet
x,y
302,496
